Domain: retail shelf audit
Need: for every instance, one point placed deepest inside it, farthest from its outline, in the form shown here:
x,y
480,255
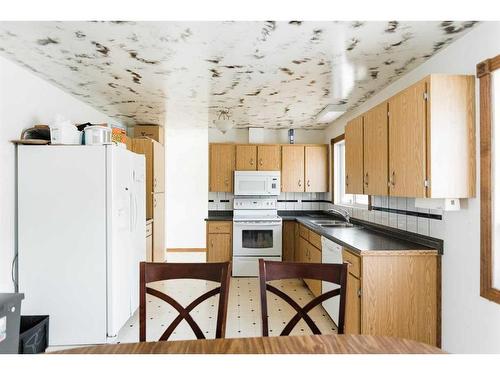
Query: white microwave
x,y
257,183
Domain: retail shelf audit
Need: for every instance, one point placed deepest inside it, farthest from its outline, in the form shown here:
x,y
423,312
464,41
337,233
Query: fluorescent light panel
x,y
330,113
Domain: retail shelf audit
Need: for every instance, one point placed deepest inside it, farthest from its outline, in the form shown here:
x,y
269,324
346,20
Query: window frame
x,y
333,141
483,72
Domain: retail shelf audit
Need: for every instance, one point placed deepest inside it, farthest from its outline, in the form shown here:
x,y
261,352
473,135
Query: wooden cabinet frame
x,y
484,70
303,167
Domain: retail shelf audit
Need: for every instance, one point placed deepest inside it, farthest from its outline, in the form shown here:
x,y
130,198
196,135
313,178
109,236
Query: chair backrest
x,y
272,270
150,272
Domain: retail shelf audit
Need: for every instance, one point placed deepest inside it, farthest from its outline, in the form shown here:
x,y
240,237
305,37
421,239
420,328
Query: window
x,y
338,183
488,73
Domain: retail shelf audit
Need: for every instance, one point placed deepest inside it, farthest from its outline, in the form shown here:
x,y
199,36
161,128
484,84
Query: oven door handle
x,y
266,224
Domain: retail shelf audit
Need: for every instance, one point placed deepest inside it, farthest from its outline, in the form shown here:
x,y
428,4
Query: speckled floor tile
x,y
243,318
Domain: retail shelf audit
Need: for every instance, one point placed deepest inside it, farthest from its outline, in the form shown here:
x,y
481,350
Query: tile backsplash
x,y
394,212
286,201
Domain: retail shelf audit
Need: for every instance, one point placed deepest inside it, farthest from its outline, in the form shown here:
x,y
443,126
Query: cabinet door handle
x,y
211,243
261,163
359,292
300,182
346,180
393,178
308,183
226,181
155,182
251,161
366,179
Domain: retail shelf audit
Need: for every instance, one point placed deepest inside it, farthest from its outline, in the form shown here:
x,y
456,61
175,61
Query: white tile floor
x,y
243,320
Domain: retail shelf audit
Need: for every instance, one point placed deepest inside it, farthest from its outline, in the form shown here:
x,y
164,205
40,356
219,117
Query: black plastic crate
x,y
34,334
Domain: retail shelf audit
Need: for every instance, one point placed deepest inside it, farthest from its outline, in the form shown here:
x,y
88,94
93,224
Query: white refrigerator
x,y
81,236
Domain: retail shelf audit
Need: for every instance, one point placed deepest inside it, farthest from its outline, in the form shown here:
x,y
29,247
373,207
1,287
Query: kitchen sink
x,y
338,225
332,224
327,222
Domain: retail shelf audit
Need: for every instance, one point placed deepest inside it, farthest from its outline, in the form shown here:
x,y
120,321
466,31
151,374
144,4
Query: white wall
x,y
270,136
470,324
26,100
186,151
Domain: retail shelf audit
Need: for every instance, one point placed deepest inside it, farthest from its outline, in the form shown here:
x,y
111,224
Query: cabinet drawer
x,y
219,226
315,239
149,229
354,263
303,232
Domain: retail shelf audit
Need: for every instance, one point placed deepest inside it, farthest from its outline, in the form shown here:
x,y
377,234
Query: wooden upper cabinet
x,y
246,157
292,168
269,157
354,156
316,168
407,142
451,136
430,138
222,163
375,150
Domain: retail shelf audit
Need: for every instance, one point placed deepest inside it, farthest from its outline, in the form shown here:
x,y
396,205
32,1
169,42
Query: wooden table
x,y
314,344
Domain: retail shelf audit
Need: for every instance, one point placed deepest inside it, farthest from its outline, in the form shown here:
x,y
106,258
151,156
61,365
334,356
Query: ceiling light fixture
x,y
330,113
223,121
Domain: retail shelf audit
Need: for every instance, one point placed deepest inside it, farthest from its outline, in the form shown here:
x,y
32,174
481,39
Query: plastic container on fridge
x,y
97,135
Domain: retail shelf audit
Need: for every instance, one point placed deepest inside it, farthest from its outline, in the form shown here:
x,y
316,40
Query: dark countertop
x,y
219,216
361,238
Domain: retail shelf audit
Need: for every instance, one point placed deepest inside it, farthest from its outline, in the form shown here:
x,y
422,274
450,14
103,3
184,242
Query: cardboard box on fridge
x,y
151,131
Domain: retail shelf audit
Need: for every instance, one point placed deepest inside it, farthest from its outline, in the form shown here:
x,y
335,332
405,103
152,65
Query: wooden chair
x,y
150,272
272,270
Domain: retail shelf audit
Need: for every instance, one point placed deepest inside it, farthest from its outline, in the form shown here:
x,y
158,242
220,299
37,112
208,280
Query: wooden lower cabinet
x,y
159,250
154,153
308,252
149,242
314,257
219,241
288,241
219,247
303,251
353,306
399,295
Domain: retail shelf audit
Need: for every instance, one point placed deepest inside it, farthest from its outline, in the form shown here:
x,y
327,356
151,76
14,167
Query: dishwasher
x,y
331,253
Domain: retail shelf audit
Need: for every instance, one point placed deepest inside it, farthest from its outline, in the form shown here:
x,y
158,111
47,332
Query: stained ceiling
x,y
268,74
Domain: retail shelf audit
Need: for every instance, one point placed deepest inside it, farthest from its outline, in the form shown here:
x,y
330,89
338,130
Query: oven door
x,y
257,238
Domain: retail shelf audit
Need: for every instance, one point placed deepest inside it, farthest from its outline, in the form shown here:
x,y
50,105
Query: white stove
x,y
256,234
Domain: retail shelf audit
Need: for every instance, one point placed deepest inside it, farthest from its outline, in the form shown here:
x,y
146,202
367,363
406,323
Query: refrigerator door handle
x,y
135,211
131,215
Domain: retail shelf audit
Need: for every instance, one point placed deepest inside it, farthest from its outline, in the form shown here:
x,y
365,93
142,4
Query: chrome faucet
x,y
340,211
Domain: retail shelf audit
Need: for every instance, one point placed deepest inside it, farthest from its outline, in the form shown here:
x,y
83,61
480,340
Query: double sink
x,y
329,223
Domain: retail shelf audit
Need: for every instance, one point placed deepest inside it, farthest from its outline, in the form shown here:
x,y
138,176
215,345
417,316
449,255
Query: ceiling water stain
x,y
135,56
100,48
352,44
46,41
287,71
392,26
271,70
